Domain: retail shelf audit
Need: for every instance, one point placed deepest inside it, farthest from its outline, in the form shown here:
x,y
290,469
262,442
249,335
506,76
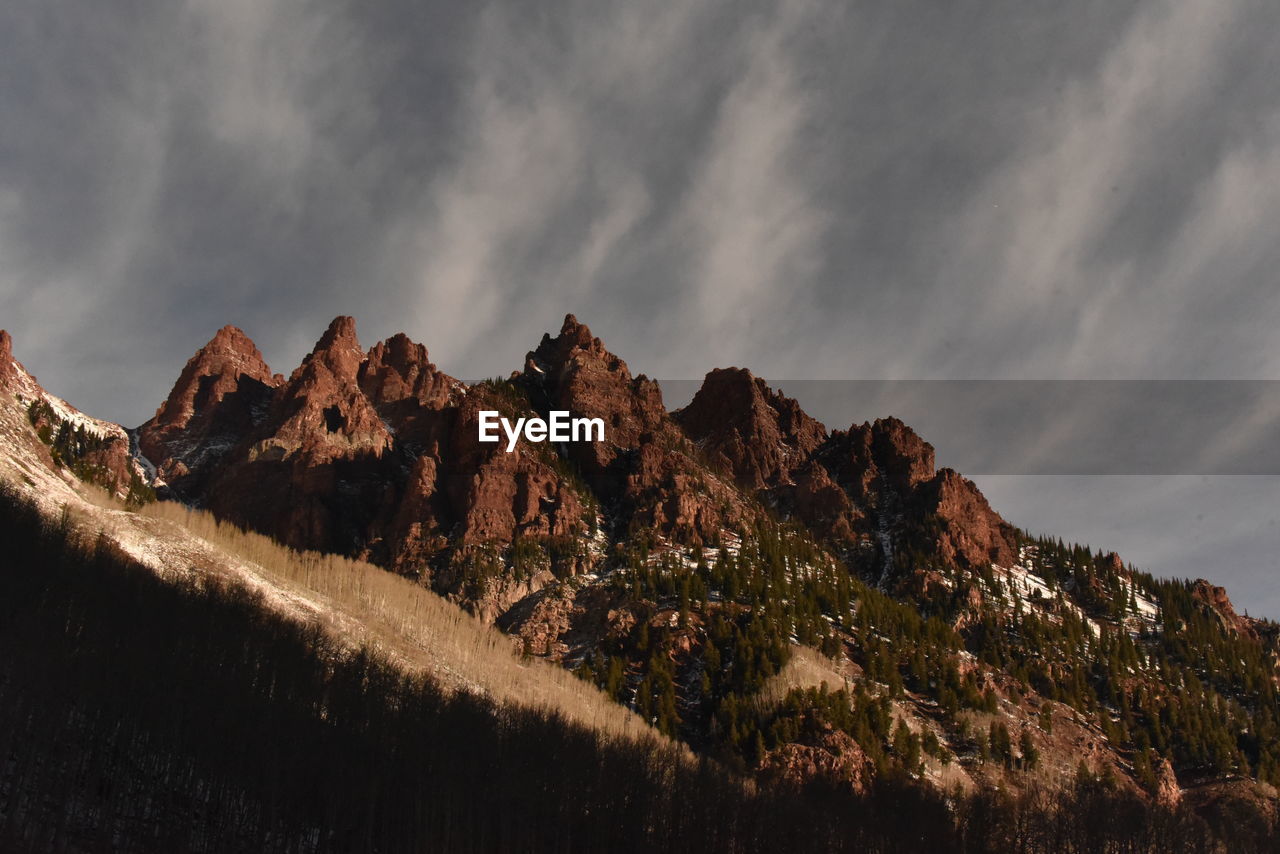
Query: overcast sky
x,y
844,190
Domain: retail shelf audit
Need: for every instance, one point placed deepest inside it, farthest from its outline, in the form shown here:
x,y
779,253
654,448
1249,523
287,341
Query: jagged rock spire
x,y
214,371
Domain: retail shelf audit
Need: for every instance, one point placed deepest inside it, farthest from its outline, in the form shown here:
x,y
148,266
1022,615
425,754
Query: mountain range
x,y
805,606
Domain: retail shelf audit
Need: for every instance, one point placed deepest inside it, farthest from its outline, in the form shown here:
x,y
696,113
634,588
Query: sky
x,y
1030,191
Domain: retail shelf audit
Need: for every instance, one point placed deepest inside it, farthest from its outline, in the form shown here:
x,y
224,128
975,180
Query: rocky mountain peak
x,y
574,344
401,352
323,410
341,332
577,373
1217,602
222,393
644,463
572,330
398,369
886,467
231,339
901,454
878,457
338,352
758,433
216,370
11,370
970,532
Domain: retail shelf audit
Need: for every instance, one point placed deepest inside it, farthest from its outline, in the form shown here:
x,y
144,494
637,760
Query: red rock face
x,y
6,357
749,429
884,455
398,369
834,759
209,376
221,394
1215,599
821,504
376,454
313,473
886,473
322,413
858,478
646,465
971,533
575,372
115,463
369,454
500,495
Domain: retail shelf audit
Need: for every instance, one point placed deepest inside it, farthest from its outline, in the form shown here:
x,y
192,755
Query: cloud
x,y
634,165
545,188
810,189
750,223
260,56
807,188
1083,249
81,172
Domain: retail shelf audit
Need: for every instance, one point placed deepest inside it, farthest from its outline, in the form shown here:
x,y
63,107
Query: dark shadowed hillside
x,y
140,714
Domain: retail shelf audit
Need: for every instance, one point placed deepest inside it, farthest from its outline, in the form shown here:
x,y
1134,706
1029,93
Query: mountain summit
x,y
220,396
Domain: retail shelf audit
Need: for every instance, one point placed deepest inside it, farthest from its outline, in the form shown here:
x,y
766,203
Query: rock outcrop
x,y
370,454
747,428
398,370
646,466
1167,791
968,533
7,367
887,471
221,395
833,758
322,413
376,454
574,372
879,458
1215,600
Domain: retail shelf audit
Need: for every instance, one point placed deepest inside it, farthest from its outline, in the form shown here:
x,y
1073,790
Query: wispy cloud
x,y
544,188
1038,243
808,188
750,222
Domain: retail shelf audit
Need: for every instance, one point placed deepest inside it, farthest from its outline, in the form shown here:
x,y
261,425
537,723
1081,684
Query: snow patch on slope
x,y
26,390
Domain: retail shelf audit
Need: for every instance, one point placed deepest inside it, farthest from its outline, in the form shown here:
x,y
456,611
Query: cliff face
x,y
647,468
744,426
221,395
367,453
309,468
375,453
8,367
1214,599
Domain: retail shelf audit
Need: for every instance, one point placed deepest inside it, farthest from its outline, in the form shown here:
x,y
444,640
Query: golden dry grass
x,y
806,668
412,625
